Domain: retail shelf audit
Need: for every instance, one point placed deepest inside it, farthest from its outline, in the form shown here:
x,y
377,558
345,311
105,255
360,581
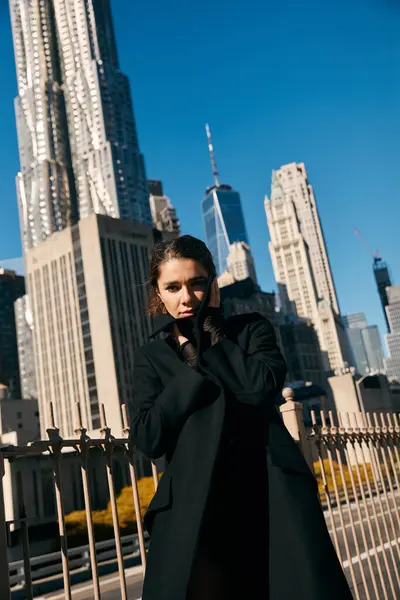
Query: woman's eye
x,y
199,284
172,288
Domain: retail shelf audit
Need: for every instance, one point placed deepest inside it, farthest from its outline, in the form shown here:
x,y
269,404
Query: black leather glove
x,y
186,329
189,354
214,325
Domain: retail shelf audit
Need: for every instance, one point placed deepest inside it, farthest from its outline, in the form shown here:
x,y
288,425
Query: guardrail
x,y
82,444
48,565
356,462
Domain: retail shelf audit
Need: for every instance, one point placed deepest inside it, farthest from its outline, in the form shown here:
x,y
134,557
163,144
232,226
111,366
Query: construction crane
x,y
375,255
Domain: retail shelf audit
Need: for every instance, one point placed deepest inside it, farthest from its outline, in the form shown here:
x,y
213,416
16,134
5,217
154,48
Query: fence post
x,y
4,567
292,413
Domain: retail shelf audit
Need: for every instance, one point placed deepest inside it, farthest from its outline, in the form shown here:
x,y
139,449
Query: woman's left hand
x,y
215,295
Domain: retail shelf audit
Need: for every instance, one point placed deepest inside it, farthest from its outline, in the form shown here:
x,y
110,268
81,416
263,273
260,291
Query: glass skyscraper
x,y
223,222
222,217
383,281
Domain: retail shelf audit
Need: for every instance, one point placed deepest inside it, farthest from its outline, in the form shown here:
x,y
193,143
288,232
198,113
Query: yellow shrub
x,y
102,519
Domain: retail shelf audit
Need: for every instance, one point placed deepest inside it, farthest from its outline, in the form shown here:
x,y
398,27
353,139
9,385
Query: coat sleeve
x,y
255,376
158,413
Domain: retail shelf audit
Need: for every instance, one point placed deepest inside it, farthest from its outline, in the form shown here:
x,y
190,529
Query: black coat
x,y
185,416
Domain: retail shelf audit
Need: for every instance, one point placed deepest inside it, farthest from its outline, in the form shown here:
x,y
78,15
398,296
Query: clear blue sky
x,y
282,81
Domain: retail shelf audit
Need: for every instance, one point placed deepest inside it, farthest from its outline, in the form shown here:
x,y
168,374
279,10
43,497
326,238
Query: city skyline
x,y
353,168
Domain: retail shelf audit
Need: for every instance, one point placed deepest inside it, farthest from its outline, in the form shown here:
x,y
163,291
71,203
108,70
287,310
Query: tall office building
x,y
393,338
89,308
383,281
222,216
162,212
12,287
300,261
24,326
365,344
78,144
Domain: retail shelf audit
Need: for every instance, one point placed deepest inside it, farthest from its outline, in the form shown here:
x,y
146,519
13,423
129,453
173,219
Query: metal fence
x,y
354,457
358,469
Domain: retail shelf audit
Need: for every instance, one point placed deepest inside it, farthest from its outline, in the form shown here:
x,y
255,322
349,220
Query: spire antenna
x,y
211,150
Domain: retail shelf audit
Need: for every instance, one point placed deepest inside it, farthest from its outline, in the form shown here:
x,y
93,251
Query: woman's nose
x,y
186,296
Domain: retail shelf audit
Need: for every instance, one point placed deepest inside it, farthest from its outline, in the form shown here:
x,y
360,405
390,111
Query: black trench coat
x,y
180,413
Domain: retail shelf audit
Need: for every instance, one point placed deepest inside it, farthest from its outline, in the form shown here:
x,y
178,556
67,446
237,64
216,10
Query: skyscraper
x,y
365,343
382,278
12,287
84,207
373,348
78,144
162,212
88,306
300,261
393,338
222,216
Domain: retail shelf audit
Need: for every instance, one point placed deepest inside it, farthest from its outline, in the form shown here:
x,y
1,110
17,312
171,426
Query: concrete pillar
x,y
292,413
5,593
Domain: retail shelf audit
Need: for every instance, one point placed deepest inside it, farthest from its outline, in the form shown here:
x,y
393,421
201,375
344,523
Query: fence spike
x,y
125,418
78,416
51,416
103,416
313,418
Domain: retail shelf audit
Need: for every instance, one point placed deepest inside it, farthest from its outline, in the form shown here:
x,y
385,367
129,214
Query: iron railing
x,y
354,457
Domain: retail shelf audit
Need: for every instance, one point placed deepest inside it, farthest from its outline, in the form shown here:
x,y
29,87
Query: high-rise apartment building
x,y
12,287
393,338
78,144
383,281
300,261
365,344
24,326
89,308
162,212
223,217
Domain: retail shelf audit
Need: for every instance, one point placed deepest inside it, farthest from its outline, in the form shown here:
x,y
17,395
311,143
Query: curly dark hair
x,y
185,246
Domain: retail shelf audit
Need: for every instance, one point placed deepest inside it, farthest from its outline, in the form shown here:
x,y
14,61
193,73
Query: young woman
x,y
236,514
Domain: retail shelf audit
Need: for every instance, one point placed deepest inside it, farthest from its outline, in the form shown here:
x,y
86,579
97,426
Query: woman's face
x,y
182,283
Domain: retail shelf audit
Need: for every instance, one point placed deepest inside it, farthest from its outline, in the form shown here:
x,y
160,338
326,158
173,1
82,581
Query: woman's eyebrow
x,y
190,280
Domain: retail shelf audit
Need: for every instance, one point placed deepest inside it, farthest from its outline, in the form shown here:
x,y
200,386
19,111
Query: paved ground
x,y
363,550
110,588
369,543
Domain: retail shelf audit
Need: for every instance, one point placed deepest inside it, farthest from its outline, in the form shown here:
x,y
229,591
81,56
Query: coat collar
x,y
161,323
